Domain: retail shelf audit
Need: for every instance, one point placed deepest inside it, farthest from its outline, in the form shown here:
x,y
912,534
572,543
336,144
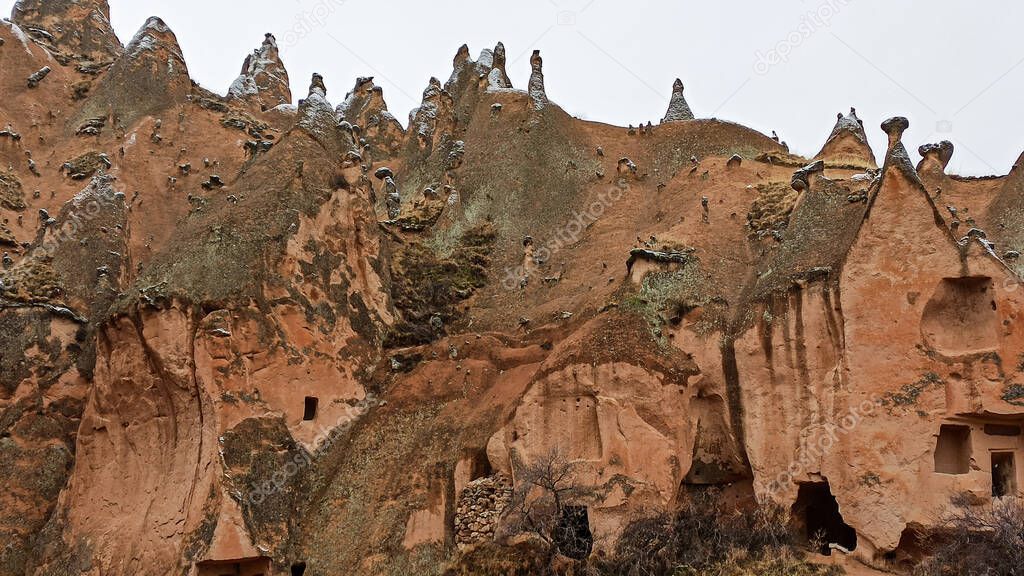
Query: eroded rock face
x,y
149,78
364,107
240,331
77,30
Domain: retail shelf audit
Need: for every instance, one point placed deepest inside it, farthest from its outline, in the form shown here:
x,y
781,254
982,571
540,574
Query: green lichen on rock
x,y
31,280
908,394
267,469
1014,394
422,215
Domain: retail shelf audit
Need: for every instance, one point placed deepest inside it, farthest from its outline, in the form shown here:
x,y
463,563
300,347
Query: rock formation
x,y
497,77
364,106
847,145
227,342
72,30
536,85
678,109
263,80
935,156
149,78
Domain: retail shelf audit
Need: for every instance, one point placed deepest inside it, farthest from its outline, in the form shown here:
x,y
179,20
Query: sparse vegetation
x,y
977,539
665,297
705,538
85,165
544,506
769,214
427,286
870,479
11,195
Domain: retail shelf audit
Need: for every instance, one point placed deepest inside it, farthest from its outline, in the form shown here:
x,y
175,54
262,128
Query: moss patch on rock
x,y
769,214
32,280
86,165
428,285
12,197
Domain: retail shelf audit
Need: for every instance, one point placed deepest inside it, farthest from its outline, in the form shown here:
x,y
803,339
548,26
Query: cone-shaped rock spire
x,y
316,115
71,29
149,77
1005,216
678,109
263,80
317,86
847,145
536,86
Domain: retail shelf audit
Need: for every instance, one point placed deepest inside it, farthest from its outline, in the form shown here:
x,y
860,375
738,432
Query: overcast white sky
x,y
954,68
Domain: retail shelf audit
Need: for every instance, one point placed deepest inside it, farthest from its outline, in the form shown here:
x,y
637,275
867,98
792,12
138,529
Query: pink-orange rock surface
x,y
238,336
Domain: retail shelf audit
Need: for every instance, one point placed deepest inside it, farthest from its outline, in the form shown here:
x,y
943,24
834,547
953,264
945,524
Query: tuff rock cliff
x,y
237,334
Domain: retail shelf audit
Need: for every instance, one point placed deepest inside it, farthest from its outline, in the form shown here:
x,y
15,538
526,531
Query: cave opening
x,y
572,532
259,566
309,407
298,569
1004,475
817,518
479,465
953,449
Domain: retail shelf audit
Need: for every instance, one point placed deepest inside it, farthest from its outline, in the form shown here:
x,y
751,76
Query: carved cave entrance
x,y
309,407
259,566
298,569
1004,475
816,517
572,533
953,449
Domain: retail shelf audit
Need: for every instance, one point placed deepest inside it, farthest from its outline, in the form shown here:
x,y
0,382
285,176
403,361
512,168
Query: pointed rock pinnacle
x,y
317,86
536,86
678,109
896,155
847,144
497,78
71,29
263,78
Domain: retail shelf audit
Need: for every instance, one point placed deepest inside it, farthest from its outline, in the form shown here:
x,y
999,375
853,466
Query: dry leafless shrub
x,y
977,540
545,504
704,538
